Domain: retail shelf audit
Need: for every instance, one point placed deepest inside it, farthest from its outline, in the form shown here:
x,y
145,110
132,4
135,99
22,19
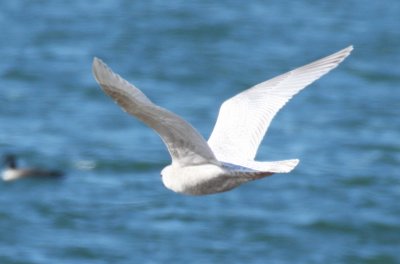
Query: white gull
x,y
227,160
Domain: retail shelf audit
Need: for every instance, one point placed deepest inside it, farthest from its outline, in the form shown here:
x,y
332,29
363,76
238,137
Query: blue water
x,y
340,205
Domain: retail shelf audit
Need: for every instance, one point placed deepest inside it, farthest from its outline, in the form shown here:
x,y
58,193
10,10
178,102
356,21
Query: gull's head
x,y
175,178
167,177
193,180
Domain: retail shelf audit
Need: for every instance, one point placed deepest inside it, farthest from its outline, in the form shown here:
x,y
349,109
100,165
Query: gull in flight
x,y
226,160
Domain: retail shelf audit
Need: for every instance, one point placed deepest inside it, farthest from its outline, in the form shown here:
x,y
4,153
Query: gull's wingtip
x,y
105,76
347,50
100,70
97,62
336,58
350,48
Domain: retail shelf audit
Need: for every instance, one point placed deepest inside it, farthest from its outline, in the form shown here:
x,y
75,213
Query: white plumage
x,y
227,159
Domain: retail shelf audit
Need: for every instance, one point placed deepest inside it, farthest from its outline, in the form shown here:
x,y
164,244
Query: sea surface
x,y
340,205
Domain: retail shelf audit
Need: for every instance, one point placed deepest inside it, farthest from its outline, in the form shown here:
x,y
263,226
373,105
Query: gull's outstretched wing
x,y
184,143
244,118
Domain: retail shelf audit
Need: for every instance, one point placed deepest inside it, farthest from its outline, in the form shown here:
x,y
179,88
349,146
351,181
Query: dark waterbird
x,y
12,172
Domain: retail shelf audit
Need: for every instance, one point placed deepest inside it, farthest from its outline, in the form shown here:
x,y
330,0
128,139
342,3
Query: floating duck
x,y
12,172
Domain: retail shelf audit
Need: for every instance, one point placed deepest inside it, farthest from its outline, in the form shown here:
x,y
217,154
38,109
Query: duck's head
x,y
10,161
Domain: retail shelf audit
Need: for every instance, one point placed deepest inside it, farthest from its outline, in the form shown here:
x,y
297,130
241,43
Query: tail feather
x,y
281,166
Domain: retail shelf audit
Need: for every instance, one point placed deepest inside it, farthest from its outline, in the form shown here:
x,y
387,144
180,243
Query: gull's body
x,y
227,159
